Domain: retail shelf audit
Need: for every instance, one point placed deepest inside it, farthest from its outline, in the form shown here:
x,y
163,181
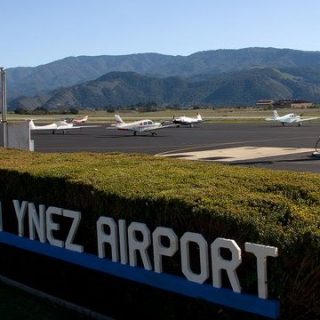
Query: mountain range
x,y
220,77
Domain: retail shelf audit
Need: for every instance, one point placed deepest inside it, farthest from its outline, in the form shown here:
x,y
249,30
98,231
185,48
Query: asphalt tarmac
x,y
247,144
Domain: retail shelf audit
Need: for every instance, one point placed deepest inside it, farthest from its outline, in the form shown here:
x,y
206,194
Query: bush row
x,y
245,204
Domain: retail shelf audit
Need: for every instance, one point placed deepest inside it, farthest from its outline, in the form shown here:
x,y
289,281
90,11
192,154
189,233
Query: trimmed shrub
x,y
243,204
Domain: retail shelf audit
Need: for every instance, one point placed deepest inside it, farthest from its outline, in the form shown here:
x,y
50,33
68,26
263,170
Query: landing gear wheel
x,y
316,153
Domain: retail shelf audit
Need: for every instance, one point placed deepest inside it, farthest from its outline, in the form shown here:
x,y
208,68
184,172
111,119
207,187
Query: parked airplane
x,y
83,120
76,121
289,118
139,126
188,121
61,125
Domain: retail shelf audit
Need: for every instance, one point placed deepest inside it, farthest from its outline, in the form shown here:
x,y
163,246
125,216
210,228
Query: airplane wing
x,y
115,126
159,127
57,126
79,127
44,127
51,126
62,125
307,119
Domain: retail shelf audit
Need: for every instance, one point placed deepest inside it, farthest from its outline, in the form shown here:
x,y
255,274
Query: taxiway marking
x,y
237,154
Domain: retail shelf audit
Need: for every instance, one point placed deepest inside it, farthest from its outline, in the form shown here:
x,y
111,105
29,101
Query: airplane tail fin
x,y
118,119
85,118
275,114
199,117
31,124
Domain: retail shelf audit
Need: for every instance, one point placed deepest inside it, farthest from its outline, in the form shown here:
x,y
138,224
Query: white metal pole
x,y
4,106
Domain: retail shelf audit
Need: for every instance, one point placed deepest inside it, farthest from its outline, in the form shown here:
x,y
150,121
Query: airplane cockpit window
x,y
149,122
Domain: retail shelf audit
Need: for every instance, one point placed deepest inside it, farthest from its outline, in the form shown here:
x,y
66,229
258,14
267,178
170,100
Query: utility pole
x,y
3,105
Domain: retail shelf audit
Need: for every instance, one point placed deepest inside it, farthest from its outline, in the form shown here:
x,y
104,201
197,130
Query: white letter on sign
x,y
219,263
111,238
20,213
76,216
37,222
159,249
52,226
136,245
123,241
261,252
185,257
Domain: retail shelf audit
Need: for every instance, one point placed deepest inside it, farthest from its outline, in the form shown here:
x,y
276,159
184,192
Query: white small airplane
x,y
140,126
82,120
76,121
289,118
61,125
187,121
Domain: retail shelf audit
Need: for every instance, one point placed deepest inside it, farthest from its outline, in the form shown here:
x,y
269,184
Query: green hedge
x,y
275,208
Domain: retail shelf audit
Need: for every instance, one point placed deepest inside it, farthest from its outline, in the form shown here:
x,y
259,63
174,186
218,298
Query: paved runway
x,y
259,144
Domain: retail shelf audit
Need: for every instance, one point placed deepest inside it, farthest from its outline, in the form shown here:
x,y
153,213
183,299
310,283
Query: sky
x,y
35,32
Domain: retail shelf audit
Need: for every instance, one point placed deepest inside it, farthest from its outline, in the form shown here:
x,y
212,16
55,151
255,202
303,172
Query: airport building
x,y
285,103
